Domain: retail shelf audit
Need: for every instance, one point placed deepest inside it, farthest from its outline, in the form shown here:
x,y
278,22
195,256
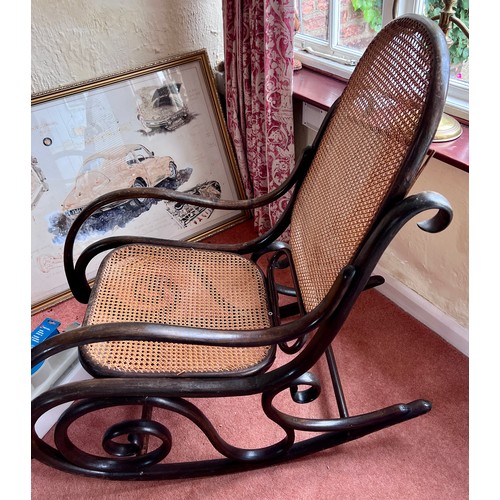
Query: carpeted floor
x,y
384,357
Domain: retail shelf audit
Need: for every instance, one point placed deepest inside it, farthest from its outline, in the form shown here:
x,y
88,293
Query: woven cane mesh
x,y
359,156
202,289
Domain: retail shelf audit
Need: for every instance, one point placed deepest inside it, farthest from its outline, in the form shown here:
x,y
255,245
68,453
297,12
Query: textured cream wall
x,y
77,40
436,266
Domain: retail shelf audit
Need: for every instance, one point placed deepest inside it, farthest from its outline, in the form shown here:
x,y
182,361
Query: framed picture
x,y
159,125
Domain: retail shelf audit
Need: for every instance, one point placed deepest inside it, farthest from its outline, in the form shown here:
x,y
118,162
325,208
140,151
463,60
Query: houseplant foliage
x,y
372,12
459,51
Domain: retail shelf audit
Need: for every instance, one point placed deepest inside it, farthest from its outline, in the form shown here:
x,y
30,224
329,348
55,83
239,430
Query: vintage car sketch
x,y
184,214
39,183
162,107
131,165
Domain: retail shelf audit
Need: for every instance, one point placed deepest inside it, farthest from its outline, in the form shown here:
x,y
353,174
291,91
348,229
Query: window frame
x,y
457,103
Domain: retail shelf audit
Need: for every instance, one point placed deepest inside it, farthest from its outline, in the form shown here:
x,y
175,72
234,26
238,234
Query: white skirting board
x,y
73,374
425,312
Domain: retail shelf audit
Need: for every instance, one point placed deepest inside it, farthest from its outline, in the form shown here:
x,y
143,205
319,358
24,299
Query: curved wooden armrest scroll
x,y
76,273
399,215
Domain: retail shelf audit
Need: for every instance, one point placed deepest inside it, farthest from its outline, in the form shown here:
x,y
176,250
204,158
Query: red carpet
x,y
384,357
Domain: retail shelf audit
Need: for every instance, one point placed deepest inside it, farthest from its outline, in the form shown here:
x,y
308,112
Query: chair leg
x,y
142,440
337,386
355,427
131,462
379,420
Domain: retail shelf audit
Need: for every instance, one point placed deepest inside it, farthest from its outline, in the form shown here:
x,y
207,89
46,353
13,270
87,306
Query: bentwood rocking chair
x,y
170,323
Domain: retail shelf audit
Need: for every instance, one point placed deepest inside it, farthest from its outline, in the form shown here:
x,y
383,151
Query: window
x,y
334,33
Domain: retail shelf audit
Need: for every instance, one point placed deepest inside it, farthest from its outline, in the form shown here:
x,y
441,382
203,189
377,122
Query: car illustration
x,y
39,183
161,107
131,165
185,213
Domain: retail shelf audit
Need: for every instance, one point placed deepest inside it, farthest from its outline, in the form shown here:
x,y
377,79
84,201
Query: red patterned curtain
x,y
259,67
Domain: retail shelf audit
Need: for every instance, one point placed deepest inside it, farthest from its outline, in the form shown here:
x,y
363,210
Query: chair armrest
x,y
75,273
401,213
182,334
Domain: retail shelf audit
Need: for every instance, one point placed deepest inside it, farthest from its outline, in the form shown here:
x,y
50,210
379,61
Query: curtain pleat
x,y
258,39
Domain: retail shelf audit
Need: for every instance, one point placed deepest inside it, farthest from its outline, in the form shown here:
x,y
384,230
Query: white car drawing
x,y
161,107
131,165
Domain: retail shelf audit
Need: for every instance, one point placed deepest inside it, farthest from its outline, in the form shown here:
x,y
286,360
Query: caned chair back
x,y
369,149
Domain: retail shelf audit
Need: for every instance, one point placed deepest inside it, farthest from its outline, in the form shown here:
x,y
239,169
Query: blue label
x,y
46,329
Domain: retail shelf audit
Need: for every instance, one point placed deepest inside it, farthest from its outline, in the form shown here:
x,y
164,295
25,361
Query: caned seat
x,y
170,323
177,286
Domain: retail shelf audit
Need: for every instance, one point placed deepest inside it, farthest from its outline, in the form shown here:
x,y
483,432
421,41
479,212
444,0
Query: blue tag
x,y
46,329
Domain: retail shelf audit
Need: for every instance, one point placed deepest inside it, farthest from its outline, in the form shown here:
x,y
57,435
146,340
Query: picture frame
x,y
158,125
